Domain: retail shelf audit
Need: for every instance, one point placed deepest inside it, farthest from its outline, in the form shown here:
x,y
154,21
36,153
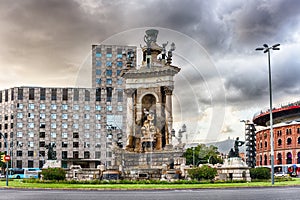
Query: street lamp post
x,y
266,49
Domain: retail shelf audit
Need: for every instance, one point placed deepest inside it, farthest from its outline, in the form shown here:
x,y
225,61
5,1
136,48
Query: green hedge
x,y
260,173
58,174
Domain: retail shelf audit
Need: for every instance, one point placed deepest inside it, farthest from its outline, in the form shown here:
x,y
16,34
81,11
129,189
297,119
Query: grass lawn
x,y
21,184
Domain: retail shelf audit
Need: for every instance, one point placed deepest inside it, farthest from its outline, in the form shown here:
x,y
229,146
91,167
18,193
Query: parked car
x,y
280,174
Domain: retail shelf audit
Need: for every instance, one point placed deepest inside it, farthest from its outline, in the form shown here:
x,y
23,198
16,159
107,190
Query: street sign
x,y
7,158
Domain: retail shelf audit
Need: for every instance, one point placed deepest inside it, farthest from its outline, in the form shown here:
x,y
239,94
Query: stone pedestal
x,y
234,169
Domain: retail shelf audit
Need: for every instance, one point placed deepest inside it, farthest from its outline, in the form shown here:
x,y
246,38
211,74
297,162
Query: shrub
x,y
54,174
204,172
260,173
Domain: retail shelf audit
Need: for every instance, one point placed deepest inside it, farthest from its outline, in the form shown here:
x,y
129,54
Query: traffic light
x,y
3,158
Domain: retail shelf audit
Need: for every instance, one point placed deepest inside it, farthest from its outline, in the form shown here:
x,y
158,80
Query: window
x,y
53,94
76,95
42,134
75,126
19,115
98,107
98,80
30,144
98,54
279,159
86,154
75,135
98,94
108,63
30,115
65,94
289,158
19,153
75,107
279,142
53,125
86,116
42,94
53,116
20,125
42,106
75,154
97,154
98,71
289,141
298,130
53,135
42,124
109,52
109,108
119,63
31,93
98,126
64,107
20,106
64,125
20,94
86,145
87,107
42,144
64,135
266,144
64,154
64,116
298,140
97,135
75,116
86,135
120,95
53,106
98,63
109,94
30,134
87,95
108,72
30,153
30,164
31,106
87,126
19,134
75,144
120,108
109,81
64,144
98,117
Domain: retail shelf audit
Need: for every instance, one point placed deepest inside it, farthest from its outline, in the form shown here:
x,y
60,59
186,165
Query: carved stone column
x,y
168,114
130,117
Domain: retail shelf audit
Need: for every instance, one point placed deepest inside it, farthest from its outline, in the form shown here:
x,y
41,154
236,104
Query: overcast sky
x,y
48,43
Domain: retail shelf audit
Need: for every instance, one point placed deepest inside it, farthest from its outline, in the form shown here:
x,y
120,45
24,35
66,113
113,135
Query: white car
x,y
280,174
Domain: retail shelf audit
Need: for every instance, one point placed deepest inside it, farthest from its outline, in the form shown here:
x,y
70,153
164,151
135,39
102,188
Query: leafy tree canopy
x,y
202,154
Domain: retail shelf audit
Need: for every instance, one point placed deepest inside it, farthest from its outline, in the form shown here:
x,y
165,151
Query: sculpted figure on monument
x,y
235,152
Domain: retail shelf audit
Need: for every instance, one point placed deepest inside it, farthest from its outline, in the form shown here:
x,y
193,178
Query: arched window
x,y
279,142
260,160
279,159
265,159
289,141
289,158
298,158
298,140
266,144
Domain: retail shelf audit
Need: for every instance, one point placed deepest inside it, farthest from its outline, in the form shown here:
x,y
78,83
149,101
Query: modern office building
x,y
81,124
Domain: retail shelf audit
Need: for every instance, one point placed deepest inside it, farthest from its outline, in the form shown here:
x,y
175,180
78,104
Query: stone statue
x,y
51,153
235,152
151,36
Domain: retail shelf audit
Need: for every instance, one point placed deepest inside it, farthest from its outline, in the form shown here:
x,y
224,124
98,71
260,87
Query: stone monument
x,y
149,110
234,168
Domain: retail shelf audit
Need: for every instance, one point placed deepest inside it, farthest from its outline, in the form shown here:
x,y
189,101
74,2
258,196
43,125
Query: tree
x,y
205,172
202,155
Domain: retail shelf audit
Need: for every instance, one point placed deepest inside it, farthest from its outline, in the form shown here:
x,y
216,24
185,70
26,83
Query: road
x,y
275,193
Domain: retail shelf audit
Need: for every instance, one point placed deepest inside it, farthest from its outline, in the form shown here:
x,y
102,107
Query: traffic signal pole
x,y
6,161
